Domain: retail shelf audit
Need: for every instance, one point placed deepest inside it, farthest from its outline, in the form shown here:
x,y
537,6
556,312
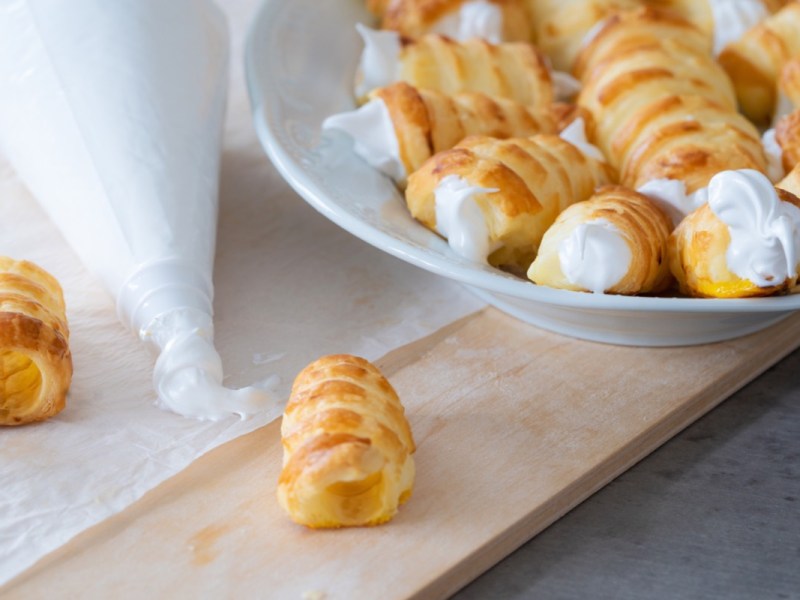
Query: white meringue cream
x,y
475,18
764,231
595,256
774,154
379,64
732,19
460,220
671,196
374,137
575,134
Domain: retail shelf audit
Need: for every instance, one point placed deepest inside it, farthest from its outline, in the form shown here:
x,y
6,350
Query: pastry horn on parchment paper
x,y
113,118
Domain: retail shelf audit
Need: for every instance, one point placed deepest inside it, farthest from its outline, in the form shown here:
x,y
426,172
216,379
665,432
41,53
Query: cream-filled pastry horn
x,y
494,199
347,446
613,243
745,241
401,126
116,130
754,62
492,20
516,71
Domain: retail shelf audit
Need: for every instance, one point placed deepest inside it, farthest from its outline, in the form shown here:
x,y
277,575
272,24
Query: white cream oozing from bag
x,y
475,18
460,220
575,134
374,137
774,154
764,231
732,19
671,196
380,60
595,256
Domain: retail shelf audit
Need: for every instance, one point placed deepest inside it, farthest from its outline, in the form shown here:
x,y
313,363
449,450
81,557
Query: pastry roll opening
x,y
20,384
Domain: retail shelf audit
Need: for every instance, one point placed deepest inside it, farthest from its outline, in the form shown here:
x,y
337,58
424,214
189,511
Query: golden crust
x,y
643,225
791,183
427,121
790,81
514,70
415,18
347,446
754,62
787,134
35,360
560,26
697,258
536,177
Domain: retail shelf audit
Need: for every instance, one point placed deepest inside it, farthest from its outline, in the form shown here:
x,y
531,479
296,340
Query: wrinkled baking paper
x,y
290,286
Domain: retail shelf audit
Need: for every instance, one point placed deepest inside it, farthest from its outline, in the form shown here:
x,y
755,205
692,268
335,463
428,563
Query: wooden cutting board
x,y
515,426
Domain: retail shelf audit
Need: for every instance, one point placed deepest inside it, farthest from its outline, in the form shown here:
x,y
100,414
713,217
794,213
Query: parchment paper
x,y
290,286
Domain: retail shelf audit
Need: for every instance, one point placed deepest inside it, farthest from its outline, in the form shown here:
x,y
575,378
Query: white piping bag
x,y
112,113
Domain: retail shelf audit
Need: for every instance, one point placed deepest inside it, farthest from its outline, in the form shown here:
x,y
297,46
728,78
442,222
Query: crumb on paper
x,y
314,595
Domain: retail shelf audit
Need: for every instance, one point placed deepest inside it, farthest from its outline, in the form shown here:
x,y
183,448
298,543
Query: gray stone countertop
x,y
714,513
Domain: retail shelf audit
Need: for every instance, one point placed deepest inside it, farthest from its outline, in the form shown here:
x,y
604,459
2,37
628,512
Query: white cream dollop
x,y
774,154
475,18
732,19
575,134
764,231
379,64
671,196
595,256
460,220
374,137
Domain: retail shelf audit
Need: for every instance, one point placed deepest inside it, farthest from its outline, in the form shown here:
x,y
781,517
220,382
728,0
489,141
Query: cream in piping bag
x,y
112,114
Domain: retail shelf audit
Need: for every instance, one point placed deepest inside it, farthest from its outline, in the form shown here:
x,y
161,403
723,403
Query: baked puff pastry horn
x,y
402,126
615,243
494,199
35,360
744,242
346,446
514,70
493,20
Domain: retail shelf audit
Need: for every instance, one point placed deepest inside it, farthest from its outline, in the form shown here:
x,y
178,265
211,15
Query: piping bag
x,y
112,114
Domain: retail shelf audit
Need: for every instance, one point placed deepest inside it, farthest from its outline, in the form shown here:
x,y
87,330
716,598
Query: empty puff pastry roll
x,y
754,62
744,242
514,70
494,20
35,360
494,199
561,26
787,134
615,243
427,122
346,446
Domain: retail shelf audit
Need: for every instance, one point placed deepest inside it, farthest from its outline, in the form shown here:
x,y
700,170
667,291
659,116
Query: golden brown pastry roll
x,y
754,62
35,360
615,243
561,26
378,7
494,199
791,183
787,134
516,71
789,86
346,446
494,20
744,242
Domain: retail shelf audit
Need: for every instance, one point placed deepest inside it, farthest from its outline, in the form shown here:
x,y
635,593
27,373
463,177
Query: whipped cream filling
x,y
374,137
774,153
379,64
460,220
732,19
595,256
671,196
575,134
475,18
764,231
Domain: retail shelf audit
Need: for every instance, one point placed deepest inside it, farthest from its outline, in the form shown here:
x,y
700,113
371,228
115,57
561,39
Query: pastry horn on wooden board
x,y
112,114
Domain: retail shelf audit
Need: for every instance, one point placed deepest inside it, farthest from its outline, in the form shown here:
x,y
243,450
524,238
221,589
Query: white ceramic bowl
x,y
300,60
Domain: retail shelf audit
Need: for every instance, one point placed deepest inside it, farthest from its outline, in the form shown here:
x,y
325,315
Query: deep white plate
x,y
300,59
